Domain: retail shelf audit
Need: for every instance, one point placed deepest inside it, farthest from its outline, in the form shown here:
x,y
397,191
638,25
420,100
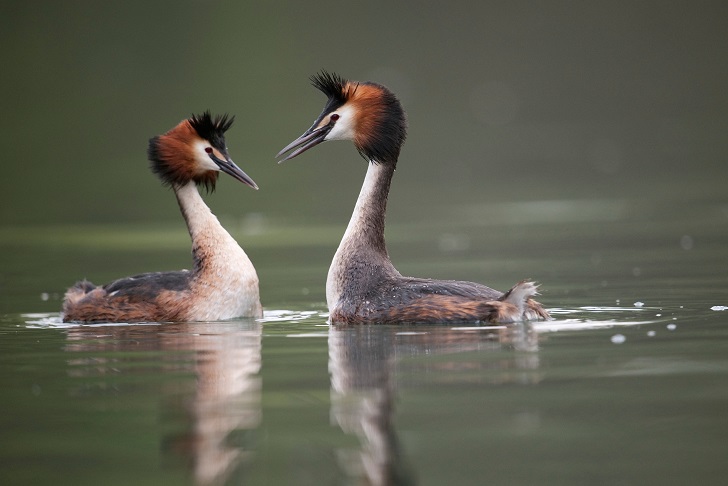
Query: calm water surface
x,y
628,385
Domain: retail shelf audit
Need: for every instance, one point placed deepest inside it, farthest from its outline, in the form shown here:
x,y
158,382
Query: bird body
x,y
223,283
363,286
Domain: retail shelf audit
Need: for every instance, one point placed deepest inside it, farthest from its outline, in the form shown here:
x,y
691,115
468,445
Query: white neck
x,y
197,214
364,236
225,282
357,223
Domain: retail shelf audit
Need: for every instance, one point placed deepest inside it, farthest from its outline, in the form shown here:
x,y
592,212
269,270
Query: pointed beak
x,y
229,167
311,138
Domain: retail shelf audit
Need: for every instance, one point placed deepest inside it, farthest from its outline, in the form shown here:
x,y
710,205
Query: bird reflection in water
x,y
369,363
223,399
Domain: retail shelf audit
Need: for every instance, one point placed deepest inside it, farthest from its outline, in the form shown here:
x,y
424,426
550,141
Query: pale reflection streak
x,y
363,364
223,397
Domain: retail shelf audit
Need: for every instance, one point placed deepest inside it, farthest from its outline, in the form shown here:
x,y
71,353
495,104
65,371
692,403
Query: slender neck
x,y
196,213
205,230
223,283
361,260
366,227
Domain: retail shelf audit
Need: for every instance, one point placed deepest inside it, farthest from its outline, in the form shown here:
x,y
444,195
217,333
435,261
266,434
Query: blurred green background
x,y
507,100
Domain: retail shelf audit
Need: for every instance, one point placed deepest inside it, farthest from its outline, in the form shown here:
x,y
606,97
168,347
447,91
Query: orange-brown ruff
x,y
362,285
223,283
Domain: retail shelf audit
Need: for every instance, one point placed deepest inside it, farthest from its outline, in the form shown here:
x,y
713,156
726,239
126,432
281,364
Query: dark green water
x,y
626,386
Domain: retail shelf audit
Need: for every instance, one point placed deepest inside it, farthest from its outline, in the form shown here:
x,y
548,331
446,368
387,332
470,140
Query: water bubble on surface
x,y
639,304
686,242
449,242
671,327
618,338
651,333
719,307
253,224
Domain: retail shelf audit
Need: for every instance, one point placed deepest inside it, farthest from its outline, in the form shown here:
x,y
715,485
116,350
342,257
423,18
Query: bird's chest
x,y
226,286
354,279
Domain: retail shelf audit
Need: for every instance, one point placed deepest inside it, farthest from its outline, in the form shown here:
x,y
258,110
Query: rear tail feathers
x,y
77,292
519,296
520,293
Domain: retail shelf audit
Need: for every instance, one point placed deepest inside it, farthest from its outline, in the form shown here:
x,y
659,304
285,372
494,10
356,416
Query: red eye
x,y
208,150
334,117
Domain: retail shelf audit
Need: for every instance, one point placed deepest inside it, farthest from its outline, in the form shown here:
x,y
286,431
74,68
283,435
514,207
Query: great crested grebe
x,y
362,285
223,283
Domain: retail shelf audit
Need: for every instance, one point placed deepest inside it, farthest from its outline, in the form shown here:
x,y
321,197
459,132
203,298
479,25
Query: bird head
x,y
195,150
366,113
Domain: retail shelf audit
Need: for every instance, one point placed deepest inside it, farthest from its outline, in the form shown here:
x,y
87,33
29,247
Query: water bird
x,y
362,285
223,283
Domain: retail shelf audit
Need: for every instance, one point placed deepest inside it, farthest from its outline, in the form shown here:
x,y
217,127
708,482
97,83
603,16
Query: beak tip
x,y
310,138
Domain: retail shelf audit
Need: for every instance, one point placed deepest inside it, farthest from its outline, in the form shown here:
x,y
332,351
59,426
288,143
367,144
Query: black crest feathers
x,y
212,129
332,85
